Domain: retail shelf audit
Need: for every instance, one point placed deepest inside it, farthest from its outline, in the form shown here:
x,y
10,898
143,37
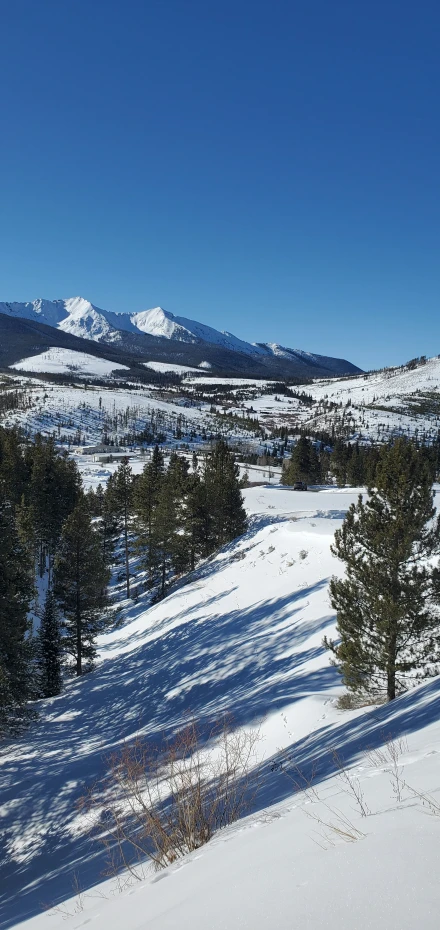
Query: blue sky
x,y
270,168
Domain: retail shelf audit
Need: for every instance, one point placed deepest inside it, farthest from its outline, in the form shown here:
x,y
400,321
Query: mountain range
x,y
158,335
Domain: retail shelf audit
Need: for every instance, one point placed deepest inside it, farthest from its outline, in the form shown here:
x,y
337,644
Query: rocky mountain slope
x,y
159,335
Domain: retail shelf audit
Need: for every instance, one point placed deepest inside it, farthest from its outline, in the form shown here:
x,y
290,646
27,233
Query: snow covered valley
x,y
345,840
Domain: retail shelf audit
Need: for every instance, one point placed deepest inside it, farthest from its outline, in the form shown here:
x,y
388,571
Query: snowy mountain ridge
x,y
81,318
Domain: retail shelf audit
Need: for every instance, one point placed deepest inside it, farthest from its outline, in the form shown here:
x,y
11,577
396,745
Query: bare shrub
x,y
428,802
352,784
163,801
388,757
332,823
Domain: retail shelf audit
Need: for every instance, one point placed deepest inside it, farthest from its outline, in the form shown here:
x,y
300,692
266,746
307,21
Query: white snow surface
x,y
68,361
170,366
245,636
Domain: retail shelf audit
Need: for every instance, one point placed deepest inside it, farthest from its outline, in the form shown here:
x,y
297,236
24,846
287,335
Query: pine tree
x,y
16,591
54,489
226,514
304,463
146,494
50,649
196,520
120,498
387,618
168,538
80,582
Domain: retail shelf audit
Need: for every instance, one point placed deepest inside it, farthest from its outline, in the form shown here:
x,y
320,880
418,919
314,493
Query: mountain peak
x,y
79,317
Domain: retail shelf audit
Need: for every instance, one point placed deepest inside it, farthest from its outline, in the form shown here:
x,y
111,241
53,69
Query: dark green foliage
x,y
304,464
50,649
16,592
119,499
182,515
54,489
81,578
169,549
226,516
387,617
146,494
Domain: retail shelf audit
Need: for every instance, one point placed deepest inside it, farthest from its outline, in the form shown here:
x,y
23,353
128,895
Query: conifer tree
x,y
120,499
304,463
81,578
16,591
54,489
226,514
50,649
387,618
196,519
146,494
168,538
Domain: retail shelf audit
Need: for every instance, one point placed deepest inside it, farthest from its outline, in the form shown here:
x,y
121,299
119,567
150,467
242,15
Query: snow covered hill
x,y
67,361
244,636
80,318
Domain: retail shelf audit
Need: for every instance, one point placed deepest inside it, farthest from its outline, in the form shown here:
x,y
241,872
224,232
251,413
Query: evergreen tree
x,y
120,500
50,649
16,592
197,523
225,509
304,463
14,467
169,547
54,489
146,494
80,582
387,619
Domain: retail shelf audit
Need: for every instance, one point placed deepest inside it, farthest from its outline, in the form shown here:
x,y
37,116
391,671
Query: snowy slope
x,y
244,636
67,361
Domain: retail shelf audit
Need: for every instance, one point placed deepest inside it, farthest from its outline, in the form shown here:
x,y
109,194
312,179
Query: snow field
x,y
244,636
67,361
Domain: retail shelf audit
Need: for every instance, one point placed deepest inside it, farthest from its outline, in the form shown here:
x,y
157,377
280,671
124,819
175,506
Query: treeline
x,y
59,544
51,571
348,463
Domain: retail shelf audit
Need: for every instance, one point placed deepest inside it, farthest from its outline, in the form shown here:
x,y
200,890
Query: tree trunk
x,y
391,667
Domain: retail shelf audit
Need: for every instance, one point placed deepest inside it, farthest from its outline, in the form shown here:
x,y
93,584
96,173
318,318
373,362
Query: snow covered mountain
x,y
80,318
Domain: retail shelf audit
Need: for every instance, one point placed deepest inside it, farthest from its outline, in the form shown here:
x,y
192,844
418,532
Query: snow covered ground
x,y
368,407
68,361
169,366
244,636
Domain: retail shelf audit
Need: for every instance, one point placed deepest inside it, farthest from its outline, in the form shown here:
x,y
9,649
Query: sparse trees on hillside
x,y
387,617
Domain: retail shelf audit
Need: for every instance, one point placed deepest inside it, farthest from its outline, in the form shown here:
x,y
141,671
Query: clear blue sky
x,y
271,168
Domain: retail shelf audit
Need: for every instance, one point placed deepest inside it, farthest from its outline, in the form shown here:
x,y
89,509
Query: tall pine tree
x,y
225,509
387,617
50,648
16,591
120,501
81,577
